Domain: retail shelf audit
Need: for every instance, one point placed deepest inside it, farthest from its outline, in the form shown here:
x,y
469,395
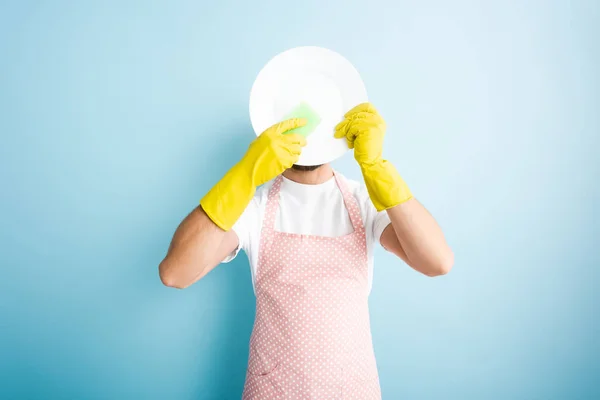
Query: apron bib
x,y
312,336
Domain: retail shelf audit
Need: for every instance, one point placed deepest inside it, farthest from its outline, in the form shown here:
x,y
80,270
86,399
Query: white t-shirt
x,y
309,210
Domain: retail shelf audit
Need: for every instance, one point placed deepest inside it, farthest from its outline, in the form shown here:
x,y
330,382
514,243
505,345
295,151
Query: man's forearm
x,y
421,238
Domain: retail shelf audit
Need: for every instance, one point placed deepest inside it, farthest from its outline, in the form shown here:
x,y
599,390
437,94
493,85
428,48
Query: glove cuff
x,y
225,203
386,187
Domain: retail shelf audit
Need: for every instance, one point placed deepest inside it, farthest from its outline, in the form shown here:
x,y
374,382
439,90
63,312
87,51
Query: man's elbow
x,y
441,266
168,278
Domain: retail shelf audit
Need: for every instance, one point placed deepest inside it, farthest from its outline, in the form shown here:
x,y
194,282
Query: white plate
x,y
320,77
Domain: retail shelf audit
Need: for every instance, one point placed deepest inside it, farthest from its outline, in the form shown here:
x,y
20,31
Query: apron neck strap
x,y
350,202
272,205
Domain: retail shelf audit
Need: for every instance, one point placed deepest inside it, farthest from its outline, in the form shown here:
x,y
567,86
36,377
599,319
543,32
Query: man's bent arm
x,y
413,234
204,238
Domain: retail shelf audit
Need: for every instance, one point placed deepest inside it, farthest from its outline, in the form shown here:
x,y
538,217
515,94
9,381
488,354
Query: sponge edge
x,y
303,110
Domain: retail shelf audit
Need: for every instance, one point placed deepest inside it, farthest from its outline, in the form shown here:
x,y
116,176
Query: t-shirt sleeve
x,y
244,229
380,222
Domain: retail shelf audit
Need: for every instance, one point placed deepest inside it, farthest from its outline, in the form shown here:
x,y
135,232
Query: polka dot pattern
x,y
312,336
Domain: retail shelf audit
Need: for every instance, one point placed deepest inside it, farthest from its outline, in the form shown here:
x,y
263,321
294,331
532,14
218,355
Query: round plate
x,y
320,77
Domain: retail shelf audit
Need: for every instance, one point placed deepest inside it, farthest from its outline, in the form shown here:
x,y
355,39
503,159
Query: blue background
x,y
116,117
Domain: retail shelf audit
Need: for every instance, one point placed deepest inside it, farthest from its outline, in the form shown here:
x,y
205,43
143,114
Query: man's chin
x,y
306,168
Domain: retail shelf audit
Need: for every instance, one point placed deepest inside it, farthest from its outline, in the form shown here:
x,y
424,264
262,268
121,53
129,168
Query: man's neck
x,y
318,176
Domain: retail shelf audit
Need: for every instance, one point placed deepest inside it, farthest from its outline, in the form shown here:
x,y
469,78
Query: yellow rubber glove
x,y
364,130
269,155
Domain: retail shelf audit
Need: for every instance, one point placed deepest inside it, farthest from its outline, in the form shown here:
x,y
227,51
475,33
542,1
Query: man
x,y
309,235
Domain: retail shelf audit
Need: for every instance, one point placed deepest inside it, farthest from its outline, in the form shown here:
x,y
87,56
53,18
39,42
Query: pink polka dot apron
x,y
312,336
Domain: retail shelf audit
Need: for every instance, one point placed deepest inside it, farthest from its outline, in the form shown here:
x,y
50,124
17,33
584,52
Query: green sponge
x,y
303,110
